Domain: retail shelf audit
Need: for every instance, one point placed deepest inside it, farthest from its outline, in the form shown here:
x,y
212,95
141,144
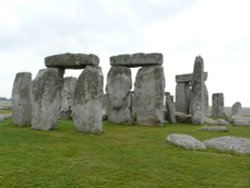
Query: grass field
x,y
123,156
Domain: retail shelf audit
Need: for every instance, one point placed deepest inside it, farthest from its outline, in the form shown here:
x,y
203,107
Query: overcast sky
x,y
218,30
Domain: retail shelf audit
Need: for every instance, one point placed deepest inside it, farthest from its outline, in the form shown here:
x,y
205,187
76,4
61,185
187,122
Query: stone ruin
x,y
40,102
191,93
51,95
144,105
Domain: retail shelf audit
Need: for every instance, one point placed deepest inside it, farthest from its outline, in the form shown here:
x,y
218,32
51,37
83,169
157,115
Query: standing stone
x,y
206,100
119,96
21,99
183,97
197,97
149,96
68,91
217,105
236,109
87,111
46,98
170,108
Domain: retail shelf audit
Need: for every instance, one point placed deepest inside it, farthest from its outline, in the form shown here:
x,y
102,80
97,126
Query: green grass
x,y
4,112
123,156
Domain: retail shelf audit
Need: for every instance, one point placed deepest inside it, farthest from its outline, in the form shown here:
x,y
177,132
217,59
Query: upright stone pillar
x,y
87,111
46,98
170,108
119,95
206,100
183,97
217,105
68,91
21,99
149,95
236,109
197,97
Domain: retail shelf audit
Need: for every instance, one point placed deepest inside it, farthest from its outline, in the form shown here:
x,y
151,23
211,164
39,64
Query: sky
x,y
218,30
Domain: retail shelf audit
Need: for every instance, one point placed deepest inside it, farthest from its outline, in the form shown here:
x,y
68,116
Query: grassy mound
x,y
123,156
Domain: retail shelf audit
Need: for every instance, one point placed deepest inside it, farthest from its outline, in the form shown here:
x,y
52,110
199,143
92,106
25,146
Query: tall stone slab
x,y
170,108
197,97
217,104
149,96
206,100
87,111
118,92
46,98
68,91
183,97
236,109
21,99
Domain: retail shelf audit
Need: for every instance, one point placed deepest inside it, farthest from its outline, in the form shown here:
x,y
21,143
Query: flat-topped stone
x,y
72,61
188,77
185,142
229,143
137,60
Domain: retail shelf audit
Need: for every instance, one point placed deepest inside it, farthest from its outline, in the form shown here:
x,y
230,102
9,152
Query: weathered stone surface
x,y
206,100
228,143
185,142
180,117
68,91
240,121
226,117
87,111
149,96
236,109
217,105
46,98
118,88
214,129
72,61
222,122
137,60
183,97
210,121
197,96
183,78
170,108
21,99
188,119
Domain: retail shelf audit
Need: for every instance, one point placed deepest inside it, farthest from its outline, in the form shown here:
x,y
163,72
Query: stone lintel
x,y
137,60
188,77
71,61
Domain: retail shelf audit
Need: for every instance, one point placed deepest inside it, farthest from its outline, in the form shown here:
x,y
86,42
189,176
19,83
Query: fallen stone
x,y
180,117
188,119
46,98
214,129
240,121
210,121
149,96
137,60
222,122
185,142
236,109
71,61
87,111
21,99
229,143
